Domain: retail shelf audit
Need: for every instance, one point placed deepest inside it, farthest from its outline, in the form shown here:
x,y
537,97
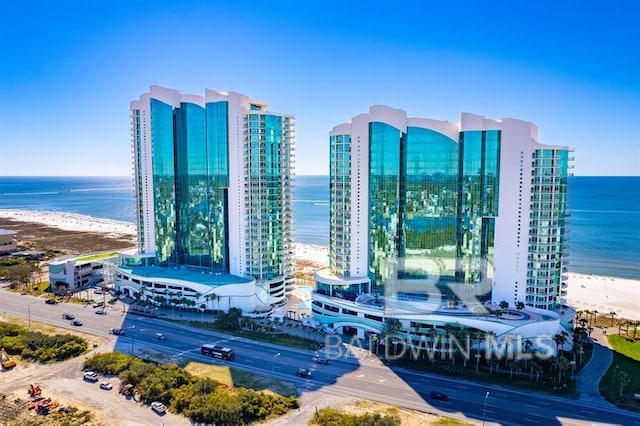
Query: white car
x,y
90,376
158,407
106,386
160,336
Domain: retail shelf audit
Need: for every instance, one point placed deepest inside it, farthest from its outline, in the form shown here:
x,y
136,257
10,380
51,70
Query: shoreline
x,y
585,291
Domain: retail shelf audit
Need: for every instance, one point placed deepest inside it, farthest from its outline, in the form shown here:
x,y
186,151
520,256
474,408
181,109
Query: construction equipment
x,y
34,391
5,360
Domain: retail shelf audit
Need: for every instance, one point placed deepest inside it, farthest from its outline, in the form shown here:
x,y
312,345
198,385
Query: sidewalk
x,y
589,378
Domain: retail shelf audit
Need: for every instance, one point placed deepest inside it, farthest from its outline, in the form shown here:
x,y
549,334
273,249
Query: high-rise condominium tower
x,y
213,177
430,216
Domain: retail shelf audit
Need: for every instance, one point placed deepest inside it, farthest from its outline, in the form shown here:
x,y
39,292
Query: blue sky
x,y
69,69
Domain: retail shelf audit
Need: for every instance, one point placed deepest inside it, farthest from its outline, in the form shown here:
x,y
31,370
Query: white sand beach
x,y
585,292
72,222
605,294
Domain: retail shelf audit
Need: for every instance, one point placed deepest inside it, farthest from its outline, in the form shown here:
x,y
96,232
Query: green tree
x,y
560,339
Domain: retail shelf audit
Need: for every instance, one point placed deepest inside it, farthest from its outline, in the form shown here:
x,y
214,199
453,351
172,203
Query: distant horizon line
x,y
309,175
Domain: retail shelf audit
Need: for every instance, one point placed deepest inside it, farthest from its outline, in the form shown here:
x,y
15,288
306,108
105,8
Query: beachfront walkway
x,y
589,378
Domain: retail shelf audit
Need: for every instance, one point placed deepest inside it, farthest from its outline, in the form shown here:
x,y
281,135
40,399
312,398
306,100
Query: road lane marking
x,y
382,380
543,403
250,361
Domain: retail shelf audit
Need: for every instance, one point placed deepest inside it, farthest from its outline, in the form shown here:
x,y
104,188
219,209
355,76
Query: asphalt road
x,y
356,375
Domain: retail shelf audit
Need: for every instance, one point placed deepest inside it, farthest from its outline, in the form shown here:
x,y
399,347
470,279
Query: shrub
x,y
331,417
202,400
38,346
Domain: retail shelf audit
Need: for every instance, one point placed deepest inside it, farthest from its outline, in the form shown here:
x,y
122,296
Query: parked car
x,y
106,386
76,323
440,396
101,312
68,316
320,360
304,373
98,304
158,407
117,331
98,290
90,376
160,336
50,301
112,300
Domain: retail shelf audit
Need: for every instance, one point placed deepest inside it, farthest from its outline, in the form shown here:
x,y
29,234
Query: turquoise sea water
x,y
605,221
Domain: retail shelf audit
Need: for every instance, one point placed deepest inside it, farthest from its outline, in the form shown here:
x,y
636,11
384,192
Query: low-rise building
x,y
72,273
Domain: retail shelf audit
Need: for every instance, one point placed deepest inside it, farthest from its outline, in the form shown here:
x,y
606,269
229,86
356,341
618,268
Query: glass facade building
x,y
190,181
448,210
214,181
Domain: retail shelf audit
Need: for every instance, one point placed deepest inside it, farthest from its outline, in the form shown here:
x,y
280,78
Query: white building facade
x,y
214,183
431,221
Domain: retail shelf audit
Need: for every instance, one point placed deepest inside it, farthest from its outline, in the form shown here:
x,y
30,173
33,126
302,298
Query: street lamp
x,y
484,410
29,313
131,327
273,365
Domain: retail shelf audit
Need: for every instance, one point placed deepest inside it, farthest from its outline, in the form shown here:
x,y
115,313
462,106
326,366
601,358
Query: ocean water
x,y
605,212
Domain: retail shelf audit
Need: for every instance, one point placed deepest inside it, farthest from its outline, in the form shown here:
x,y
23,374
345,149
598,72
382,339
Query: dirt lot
x,y
62,382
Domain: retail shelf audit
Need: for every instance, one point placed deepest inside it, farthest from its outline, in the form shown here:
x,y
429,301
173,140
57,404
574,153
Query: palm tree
x,y
588,315
562,364
475,336
635,328
390,329
520,305
577,351
560,339
416,328
375,339
504,305
528,348
595,317
612,314
489,336
534,367
508,341
624,380
432,334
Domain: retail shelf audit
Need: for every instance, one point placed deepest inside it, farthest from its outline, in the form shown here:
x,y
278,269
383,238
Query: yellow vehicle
x,y
5,360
